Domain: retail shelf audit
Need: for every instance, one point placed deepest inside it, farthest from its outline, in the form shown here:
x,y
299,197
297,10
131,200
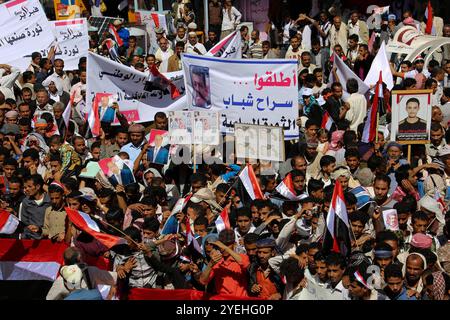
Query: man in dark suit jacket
x,y
158,154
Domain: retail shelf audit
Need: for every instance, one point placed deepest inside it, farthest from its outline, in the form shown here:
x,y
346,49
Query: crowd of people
x,y
273,248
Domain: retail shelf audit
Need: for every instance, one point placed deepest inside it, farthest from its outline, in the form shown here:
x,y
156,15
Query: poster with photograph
x,y
411,116
180,127
117,170
105,102
201,97
259,142
206,128
390,219
158,152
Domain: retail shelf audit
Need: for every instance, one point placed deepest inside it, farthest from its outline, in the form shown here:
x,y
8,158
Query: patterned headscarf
x,y
438,285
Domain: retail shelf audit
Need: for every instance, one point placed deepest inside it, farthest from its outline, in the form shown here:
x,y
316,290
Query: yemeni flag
x,y
113,50
171,226
337,232
327,121
250,183
429,29
370,126
8,222
286,189
190,238
112,30
159,82
84,222
223,221
67,114
30,259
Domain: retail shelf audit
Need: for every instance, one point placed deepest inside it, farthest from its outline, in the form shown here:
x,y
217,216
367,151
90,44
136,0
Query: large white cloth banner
x,y
25,29
129,85
261,92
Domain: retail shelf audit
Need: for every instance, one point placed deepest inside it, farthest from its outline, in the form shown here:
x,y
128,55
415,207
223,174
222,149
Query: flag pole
x,y
376,134
116,229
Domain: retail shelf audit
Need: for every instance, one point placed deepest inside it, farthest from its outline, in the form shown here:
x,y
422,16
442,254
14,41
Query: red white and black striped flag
x,y
337,232
371,126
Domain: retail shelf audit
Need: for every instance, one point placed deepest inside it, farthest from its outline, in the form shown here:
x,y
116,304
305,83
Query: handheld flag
x,y
327,121
112,30
250,183
84,222
171,225
337,232
222,222
67,114
370,126
191,238
286,189
429,29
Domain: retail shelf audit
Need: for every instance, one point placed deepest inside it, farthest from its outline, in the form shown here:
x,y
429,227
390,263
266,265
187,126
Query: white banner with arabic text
x,y
261,92
128,84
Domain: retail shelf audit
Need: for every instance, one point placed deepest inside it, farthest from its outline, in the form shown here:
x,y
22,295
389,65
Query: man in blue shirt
x,y
123,33
137,138
395,288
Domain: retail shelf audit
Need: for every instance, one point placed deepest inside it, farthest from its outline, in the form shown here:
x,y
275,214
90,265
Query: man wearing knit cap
x,y
11,117
264,282
137,138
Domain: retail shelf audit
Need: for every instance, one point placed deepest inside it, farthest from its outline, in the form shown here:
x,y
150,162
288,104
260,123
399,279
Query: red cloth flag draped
x,y
30,259
8,222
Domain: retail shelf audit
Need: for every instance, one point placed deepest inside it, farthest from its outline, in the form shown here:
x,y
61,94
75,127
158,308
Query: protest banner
x,y
259,142
25,30
73,42
229,47
259,92
128,84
